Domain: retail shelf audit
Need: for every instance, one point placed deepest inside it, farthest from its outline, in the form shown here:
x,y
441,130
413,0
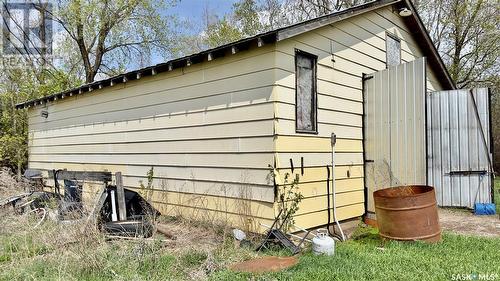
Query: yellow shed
x,y
213,123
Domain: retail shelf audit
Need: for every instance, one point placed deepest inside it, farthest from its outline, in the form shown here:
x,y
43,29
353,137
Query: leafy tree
x,y
250,17
246,15
243,21
466,36
221,32
17,85
111,35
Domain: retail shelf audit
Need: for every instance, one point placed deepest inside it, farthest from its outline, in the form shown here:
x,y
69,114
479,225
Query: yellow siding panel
x,y
333,103
226,116
321,218
312,174
322,40
233,160
216,185
360,33
214,203
318,159
172,177
385,18
243,221
315,144
324,72
320,203
232,145
187,78
287,111
287,127
134,132
126,110
161,102
244,113
342,186
224,182
326,89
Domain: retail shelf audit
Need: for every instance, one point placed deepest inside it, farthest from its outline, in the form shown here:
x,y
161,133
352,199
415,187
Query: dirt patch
x,y
191,237
465,222
265,264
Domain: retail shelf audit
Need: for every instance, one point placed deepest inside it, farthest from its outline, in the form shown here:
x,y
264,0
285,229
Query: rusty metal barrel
x,y
407,213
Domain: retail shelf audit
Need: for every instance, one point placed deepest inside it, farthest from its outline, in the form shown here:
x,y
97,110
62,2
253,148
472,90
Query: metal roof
x,y
257,41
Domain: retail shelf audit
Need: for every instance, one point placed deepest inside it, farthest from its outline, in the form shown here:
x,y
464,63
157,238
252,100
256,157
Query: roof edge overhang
x,y
186,61
325,20
414,22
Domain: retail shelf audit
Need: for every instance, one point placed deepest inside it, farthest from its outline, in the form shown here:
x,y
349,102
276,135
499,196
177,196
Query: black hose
x,y
333,234
328,196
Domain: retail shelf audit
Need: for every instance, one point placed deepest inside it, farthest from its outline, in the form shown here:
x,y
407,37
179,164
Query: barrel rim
x,y
381,193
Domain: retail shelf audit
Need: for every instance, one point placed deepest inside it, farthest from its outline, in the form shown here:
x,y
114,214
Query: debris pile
x,y
9,185
116,211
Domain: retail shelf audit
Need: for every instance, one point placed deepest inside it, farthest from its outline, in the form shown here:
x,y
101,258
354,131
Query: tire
x,y
129,228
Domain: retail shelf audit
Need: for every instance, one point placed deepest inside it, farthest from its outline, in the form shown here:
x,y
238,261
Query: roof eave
x,y
325,20
234,47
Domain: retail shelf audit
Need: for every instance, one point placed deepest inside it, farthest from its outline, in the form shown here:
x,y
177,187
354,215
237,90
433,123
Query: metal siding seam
x,y
450,146
430,153
440,151
405,139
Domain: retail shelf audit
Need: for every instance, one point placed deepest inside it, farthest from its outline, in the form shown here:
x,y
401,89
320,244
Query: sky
x,y
193,9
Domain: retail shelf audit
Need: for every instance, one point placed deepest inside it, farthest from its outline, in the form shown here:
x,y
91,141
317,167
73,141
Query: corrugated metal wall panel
x,y
456,146
395,127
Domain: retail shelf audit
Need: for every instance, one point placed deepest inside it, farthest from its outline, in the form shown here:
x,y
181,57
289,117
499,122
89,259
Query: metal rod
x,y
481,130
334,141
300,228
293,235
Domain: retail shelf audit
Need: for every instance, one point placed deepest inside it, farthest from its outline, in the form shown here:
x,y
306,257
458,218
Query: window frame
x,y
393,36
314,102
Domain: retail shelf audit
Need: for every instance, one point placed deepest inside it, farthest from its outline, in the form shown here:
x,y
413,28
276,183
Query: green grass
x,y
362,259
366,257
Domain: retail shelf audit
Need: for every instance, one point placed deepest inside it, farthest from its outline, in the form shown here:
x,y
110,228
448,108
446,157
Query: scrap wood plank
x,y
99,203
81,175
122,209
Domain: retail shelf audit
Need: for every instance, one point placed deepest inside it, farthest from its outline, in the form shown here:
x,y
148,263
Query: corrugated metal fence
x,y
394,130
459,146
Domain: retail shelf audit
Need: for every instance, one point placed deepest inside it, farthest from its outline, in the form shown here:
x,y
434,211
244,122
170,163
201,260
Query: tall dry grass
x,y
80,251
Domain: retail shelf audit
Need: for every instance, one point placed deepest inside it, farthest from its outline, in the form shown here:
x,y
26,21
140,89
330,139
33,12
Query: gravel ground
x,y
463,221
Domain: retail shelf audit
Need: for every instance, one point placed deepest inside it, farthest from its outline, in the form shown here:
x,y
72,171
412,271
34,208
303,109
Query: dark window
x,y
305,92
393,50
